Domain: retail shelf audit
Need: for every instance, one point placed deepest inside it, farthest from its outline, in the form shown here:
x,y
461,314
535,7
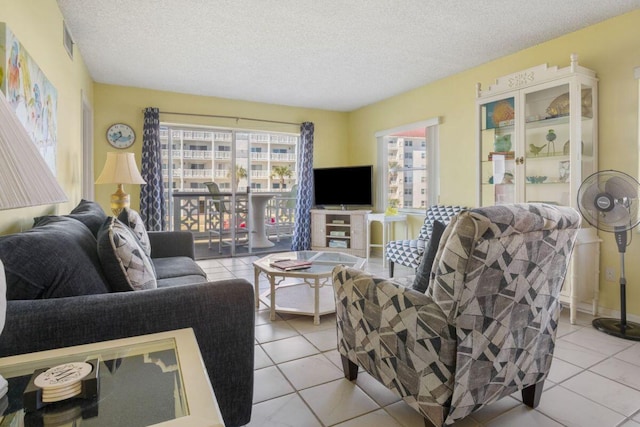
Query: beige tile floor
x,y
594,378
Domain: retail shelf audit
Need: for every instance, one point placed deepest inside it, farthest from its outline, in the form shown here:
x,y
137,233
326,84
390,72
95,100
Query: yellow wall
x,y
125,104
38,26
610,48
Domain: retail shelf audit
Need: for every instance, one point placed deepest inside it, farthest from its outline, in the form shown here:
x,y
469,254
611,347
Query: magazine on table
x,y
290,264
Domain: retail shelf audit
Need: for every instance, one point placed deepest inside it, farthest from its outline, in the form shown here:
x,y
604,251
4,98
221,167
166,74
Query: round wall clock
x,y
120,135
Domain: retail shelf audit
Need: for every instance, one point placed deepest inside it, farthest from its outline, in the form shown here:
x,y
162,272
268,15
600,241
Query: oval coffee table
x,y
309,296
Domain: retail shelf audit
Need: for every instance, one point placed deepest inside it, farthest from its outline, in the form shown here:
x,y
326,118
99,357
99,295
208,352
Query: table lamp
x,y
26,181
120,169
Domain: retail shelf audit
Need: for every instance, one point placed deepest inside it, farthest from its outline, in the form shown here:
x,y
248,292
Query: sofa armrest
x,y
171,243
220,313
399,336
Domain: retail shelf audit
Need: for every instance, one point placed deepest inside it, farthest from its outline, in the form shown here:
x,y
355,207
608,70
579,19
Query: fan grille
x,y
609,200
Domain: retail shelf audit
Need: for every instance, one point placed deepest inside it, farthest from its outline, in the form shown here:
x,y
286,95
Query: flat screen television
x,y
343,186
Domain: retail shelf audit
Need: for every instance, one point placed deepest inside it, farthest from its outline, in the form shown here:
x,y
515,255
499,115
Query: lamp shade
x,y
120,168
25,178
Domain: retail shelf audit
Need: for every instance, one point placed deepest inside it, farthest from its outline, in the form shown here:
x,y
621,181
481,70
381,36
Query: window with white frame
x,y
408,165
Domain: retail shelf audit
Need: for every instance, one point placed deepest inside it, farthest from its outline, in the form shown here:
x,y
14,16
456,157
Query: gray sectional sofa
x,y
59,294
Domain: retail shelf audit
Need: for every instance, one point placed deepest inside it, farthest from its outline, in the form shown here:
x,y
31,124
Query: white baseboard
x,y
584,307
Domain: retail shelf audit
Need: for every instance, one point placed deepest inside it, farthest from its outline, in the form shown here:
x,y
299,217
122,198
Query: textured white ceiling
x,y
329,54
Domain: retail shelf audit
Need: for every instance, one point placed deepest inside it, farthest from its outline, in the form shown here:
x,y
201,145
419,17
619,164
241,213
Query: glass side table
x,y
155,379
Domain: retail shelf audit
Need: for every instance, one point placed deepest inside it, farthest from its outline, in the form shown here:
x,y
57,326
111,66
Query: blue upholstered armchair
x,y
409,252
486,326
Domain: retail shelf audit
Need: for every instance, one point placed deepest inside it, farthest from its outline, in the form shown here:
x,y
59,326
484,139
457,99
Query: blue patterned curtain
x,y
302,225
152,204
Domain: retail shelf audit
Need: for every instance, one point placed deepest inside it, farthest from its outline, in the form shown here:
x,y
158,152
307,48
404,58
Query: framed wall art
x,y
30,93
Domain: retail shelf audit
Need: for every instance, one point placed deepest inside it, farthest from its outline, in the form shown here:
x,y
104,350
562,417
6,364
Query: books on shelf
x,y
290,264
508,155
338,243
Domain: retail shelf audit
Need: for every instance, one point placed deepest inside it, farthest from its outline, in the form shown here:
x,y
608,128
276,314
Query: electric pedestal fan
x,y
609,200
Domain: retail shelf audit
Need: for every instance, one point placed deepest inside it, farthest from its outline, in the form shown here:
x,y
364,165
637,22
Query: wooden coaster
x,y
63,381
57,395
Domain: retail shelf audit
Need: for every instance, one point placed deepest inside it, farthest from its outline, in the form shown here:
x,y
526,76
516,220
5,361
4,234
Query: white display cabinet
x,y
537,140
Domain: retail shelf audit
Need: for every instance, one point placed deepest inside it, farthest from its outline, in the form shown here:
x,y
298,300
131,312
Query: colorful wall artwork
x,y
32,96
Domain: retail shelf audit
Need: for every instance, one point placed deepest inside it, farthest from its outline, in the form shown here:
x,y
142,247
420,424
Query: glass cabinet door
x,y
586,161
498,155
547,145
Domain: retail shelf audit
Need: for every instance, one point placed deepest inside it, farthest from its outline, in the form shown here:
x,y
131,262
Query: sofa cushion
x,y
180,281
87,212
177,266
124,262
133,219
58,258
423,273
90,214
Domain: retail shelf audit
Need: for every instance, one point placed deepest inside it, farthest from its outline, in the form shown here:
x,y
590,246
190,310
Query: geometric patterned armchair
x,y
486,326
409,252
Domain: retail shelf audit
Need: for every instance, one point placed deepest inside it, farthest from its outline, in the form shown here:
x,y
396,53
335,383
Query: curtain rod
x,y
229,117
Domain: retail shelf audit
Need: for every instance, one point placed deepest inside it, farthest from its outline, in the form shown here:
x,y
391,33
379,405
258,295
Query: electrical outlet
x,y
610,274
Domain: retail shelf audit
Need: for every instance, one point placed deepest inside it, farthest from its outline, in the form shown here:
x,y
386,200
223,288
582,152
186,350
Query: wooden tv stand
x,y
340,231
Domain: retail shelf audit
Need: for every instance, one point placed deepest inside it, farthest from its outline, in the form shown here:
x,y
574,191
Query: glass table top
x,y
140,384
322,262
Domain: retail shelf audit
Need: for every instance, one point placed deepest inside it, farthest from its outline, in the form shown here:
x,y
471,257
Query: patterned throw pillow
x,y
133,219
124,262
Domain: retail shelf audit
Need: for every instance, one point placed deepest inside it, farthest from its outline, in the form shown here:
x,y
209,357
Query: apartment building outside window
x,y
236,160
408,166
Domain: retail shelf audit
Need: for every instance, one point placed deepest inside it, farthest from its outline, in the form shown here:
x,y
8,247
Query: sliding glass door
x,y
226,187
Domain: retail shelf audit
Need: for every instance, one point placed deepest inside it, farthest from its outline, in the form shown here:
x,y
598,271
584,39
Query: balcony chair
x,y
224,221
409,252
486,326
282,213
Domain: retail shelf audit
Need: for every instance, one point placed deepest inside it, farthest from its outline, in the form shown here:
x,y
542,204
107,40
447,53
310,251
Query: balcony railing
x,y
259,138
226,136
283,157
197,173
174,153
192,211
176,173
260,174
197,154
